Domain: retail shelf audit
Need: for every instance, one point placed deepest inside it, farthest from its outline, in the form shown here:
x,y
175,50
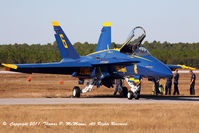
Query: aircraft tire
x,y
130,95
76,92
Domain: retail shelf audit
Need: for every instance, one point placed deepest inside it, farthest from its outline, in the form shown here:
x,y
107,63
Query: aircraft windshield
x,y
141,51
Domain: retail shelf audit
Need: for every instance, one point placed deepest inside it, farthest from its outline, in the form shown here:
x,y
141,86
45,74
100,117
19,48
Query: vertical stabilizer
x,y
65,47
105,37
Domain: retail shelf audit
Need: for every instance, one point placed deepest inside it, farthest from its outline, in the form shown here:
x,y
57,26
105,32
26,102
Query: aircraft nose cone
x,y
160,69
165,72
155,69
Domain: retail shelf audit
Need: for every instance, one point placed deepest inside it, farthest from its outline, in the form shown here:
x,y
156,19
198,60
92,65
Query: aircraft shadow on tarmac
x,y
153,97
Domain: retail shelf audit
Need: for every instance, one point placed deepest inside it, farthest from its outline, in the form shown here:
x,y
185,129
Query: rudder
x,y
105,37
65,47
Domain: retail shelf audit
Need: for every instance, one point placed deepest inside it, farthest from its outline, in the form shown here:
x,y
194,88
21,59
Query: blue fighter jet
x,y
105,66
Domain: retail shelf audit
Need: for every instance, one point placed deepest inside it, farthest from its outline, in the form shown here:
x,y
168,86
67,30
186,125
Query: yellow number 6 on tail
x,y
63,41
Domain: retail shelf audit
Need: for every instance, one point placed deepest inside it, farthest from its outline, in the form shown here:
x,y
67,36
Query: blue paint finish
x,y
147,66
105,39
106,59
65,47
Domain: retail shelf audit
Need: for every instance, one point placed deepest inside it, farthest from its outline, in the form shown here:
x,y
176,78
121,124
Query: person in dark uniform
x,y
192,83
176,77
118,86
156,85
168,85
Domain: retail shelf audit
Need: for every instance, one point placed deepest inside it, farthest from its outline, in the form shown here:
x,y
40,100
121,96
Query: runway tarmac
x,y
97,100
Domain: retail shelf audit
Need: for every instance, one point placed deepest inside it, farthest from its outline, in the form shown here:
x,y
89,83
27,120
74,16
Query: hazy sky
x,y
29,21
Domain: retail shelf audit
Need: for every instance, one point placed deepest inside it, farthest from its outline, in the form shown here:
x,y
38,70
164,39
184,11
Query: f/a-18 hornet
x,y
105,66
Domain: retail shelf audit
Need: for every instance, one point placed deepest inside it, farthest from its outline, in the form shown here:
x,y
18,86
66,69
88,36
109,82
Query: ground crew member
x,y
118,86
168,85
156,85
192,83
176,77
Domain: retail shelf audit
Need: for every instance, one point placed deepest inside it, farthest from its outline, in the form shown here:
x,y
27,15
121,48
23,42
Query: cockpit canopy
x,y
134,40
141,51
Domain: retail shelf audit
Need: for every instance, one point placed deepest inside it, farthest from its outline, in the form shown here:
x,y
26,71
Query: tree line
x,y
169,53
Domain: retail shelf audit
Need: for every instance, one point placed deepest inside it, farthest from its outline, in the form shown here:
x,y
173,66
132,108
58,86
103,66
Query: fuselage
x,y
148,66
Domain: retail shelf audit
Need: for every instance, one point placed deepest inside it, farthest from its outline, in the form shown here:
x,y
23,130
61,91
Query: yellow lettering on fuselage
x,y
63,41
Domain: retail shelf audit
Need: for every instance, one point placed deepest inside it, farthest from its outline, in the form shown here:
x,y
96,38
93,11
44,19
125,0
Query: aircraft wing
x,y
64,67
174,67
50,68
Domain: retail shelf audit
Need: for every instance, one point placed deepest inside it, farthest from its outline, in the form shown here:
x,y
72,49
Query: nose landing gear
x,y
134,92
132,95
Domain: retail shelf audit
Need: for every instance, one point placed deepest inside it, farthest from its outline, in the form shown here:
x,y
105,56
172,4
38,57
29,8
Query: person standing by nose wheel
x,y
156,85
176,77
168,85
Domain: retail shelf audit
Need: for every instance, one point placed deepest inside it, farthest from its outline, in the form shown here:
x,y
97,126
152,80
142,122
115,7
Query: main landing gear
x,y
77,92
